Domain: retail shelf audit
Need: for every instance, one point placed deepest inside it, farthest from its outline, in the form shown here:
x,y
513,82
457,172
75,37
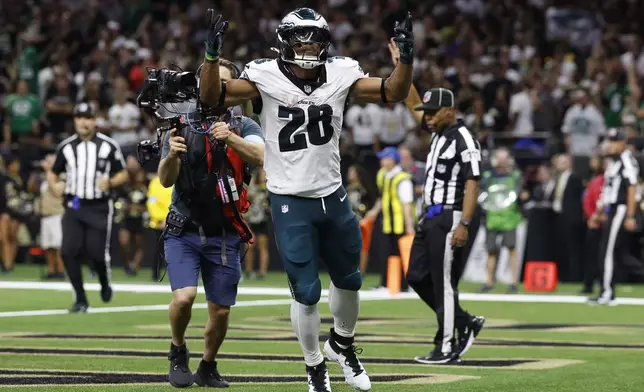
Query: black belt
x,y
86,202
612,207
444,207
208,231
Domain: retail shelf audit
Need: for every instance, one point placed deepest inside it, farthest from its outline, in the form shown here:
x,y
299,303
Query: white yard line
x,y
131,288
123,309
270,291
164,307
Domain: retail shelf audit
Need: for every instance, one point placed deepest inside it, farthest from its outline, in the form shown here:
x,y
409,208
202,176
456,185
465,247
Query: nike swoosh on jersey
x,y
343,197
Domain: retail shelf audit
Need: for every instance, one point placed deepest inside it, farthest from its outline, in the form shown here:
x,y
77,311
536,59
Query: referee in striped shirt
x,y
616,212
93,164
440,247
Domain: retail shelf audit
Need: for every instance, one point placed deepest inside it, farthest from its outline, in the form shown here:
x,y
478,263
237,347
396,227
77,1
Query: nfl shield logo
x,y
284,208
307,89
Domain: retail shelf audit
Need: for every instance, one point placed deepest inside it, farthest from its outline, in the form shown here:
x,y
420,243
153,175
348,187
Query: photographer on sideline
x,y
204,229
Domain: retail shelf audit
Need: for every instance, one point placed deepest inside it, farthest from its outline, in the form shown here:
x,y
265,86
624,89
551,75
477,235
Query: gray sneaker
x,y
180,375
207,375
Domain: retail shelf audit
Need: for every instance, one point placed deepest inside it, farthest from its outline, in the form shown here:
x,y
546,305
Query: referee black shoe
x,y
79,307
180,374
467,334
207,375
106,293
437,357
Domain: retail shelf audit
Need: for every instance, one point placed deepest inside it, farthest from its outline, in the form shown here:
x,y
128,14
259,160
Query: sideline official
x,y
616,212
94,165
439,251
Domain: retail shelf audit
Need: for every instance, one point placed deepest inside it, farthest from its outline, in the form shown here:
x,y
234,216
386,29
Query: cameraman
x,y
204,229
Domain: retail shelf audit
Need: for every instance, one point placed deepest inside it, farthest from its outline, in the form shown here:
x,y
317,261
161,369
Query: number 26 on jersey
x,y
317,123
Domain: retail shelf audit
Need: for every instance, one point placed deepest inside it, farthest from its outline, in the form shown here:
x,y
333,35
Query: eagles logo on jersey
x,y
303,38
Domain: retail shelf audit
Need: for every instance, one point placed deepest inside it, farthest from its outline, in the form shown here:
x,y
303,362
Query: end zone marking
x,y
545,364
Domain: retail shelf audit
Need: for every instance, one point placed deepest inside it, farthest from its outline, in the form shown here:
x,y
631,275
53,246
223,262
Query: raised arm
x,y
212,91
396,86
413,98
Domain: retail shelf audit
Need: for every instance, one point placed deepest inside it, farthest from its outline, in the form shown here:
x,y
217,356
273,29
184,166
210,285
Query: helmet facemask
x,y
304,46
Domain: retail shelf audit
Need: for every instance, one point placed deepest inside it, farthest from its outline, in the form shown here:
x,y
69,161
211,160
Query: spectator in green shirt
x,y
29,64
614,98
23,111
500,199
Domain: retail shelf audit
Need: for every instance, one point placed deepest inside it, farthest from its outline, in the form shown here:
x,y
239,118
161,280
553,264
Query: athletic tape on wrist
x,y
211,59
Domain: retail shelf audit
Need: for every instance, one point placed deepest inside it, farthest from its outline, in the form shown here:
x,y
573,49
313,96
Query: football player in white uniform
x,y
303,94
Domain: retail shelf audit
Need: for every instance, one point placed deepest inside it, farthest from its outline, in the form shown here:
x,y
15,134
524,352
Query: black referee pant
x,y
87,233
389,247
591,256
612,249
435,269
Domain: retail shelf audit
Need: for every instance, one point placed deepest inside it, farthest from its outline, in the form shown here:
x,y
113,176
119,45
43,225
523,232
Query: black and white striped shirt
x,y
619,175
86,163
454,157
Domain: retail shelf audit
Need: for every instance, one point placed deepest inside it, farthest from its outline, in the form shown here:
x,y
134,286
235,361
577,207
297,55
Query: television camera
x,y
162,90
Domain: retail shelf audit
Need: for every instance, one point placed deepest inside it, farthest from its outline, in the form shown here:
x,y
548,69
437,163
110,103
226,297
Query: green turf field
x,y
526,346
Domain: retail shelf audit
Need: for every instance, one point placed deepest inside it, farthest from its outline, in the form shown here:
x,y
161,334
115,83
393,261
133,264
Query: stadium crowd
x,y
544,79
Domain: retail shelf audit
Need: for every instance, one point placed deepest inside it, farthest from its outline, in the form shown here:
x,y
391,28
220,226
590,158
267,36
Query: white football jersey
x,y
302,124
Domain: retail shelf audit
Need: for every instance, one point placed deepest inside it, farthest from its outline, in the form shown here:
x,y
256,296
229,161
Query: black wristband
x,y
383,93
222,95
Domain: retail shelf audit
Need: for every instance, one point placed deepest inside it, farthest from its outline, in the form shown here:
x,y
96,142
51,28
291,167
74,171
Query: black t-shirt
x,y
60,123
489,91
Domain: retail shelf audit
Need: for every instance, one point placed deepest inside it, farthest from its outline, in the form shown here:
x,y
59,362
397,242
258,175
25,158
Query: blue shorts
x,y
186,256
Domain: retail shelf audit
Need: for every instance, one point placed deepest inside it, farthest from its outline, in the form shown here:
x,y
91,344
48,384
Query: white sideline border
x,y
365,295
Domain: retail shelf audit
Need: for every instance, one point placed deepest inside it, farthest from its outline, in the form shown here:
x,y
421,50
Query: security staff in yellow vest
x,y
396,205
158,206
